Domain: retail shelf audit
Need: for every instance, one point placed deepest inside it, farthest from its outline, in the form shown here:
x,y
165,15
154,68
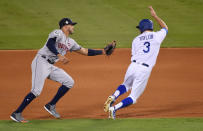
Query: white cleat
x,y
112,113
108,103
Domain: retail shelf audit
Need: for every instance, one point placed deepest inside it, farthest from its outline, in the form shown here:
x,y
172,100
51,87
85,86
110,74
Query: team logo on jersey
x,y
56,32
63,46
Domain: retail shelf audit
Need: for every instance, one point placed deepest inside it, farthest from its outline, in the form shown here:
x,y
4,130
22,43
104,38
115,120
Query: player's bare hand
x,y
63,59
153,13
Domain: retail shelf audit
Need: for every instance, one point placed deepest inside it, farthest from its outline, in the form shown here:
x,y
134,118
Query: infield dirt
x,y
174,89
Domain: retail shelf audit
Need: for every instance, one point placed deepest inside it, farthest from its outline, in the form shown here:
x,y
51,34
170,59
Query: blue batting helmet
x,y
144,25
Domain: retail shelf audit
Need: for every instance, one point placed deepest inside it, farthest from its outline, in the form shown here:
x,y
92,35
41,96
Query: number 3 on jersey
x,y
147,47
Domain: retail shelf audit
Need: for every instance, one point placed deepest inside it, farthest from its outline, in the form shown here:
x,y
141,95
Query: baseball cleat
x,y
108,103
17,117
52,110
112,113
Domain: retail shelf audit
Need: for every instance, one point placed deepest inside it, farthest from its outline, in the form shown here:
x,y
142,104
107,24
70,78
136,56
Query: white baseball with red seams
x,y
42,69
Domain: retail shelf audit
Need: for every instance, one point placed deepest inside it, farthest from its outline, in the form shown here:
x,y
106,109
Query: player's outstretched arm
x,y
159,20
108,50
89,52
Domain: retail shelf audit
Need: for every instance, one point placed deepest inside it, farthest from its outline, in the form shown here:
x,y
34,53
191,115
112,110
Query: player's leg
x,y
112,98
128,81
16,115
123,88
39,74
67,82
138,87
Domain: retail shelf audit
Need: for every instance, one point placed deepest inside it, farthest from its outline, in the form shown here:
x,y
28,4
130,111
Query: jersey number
x,y
147,47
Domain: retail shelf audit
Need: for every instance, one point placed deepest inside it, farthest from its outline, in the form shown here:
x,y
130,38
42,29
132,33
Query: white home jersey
x,y
63,44
146,46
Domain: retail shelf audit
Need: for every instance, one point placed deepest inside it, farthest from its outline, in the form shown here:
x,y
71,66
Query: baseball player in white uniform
x,y
57,45
145,49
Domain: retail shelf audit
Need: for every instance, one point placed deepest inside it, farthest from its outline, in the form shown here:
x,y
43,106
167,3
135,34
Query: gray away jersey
x,y
63,44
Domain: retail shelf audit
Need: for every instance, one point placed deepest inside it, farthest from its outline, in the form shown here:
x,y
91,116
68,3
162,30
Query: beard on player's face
x,y
71,29
68,29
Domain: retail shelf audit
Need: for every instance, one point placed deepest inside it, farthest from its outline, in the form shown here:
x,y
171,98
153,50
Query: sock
x,y
30,96
124,103
120,90
61,92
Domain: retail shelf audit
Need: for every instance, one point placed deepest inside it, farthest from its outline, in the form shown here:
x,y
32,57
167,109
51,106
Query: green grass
x,y
155,124
25,24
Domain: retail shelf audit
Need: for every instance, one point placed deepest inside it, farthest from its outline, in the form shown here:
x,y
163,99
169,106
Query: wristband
x,y
92,52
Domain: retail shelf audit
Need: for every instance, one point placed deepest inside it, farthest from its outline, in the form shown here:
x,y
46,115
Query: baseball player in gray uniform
x,y
145,49
55,48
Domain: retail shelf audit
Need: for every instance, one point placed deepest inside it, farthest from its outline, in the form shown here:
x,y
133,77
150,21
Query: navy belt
x,y
144,64
50,62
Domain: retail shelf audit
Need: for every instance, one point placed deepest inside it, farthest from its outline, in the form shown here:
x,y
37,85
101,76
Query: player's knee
x,y
133,98
36,93
126,86
69,82
72,82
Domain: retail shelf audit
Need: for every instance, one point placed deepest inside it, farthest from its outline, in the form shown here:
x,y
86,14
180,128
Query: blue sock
x,y
120,90
61,92
30,96
126,102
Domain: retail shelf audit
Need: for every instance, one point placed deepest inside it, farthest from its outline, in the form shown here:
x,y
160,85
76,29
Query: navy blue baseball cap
x,y
66,21
144,25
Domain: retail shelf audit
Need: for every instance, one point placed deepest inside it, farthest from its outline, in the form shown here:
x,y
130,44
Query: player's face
x,y
71,29
68,29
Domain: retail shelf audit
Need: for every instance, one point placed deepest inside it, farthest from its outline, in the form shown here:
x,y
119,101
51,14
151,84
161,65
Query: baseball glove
x,y
110,48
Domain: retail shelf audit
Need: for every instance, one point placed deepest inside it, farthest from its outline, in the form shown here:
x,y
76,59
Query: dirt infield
x,y
174,90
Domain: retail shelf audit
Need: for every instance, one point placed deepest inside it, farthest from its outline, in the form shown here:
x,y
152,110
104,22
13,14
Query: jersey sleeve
x,y
75,46
56,34
134,42
161,34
